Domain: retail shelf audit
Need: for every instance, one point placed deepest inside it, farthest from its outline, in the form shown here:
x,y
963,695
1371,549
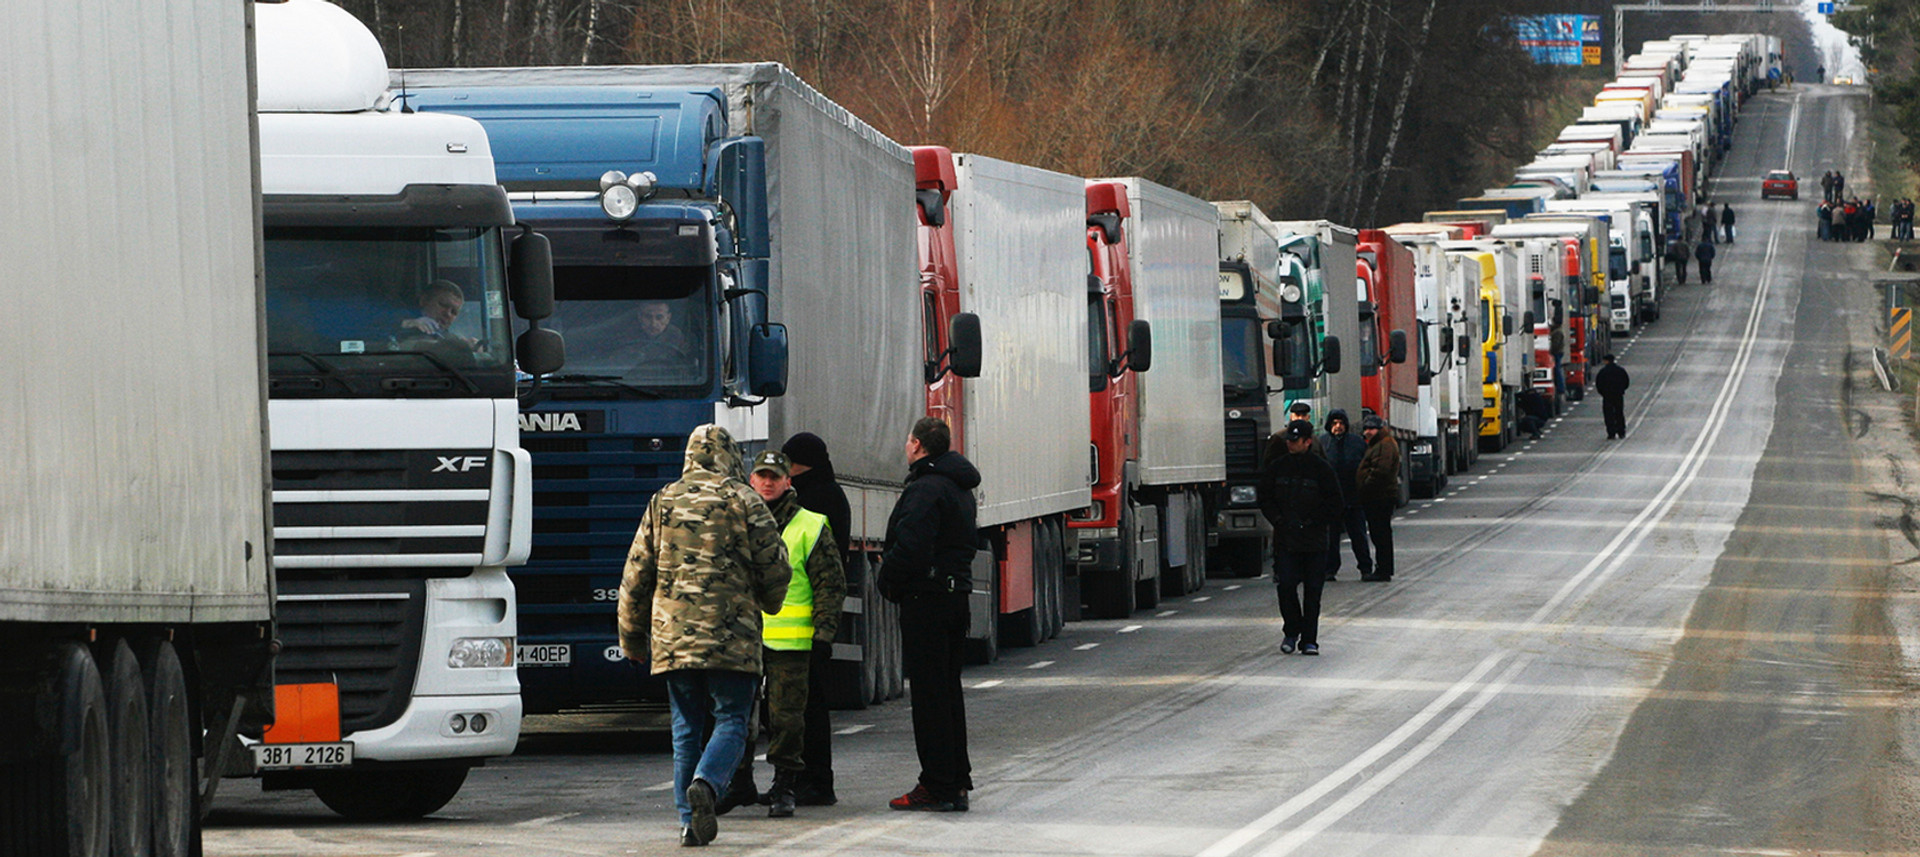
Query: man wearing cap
x,y
1378,479
1300,495
1300,411
807,620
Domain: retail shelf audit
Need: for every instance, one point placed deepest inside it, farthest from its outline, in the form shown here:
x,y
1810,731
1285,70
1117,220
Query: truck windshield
x,y
350,304
1241,368
1369,344
634,327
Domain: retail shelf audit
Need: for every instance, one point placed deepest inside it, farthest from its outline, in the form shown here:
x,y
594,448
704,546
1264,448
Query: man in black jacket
x,y
819,491
931,541
1344,449
1611,383
1300,496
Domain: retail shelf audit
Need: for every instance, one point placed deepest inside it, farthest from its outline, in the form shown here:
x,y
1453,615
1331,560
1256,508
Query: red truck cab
x,y
1105,569
934,183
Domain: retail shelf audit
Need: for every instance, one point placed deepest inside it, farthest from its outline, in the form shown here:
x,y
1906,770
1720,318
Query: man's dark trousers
x,y
1353,520
1615,409
1380,531
933,636
817,750
1294,571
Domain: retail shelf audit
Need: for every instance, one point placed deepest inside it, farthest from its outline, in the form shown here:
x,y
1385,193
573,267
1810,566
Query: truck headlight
x,y
1242,495
1423,448
472,652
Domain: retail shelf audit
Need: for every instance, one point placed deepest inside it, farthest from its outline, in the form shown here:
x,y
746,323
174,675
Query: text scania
x,y
550,422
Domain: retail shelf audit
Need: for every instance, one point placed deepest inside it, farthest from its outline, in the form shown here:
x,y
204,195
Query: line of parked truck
x,y
479,311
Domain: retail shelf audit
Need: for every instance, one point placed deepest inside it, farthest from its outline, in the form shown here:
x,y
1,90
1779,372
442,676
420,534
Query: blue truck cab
x,y
659,232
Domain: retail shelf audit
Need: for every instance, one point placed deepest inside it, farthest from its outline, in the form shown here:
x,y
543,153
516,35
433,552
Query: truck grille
x,y
345,509
362,635
588,495
1243,450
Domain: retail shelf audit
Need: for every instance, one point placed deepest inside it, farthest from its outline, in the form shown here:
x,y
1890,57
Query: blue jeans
x,y
720,699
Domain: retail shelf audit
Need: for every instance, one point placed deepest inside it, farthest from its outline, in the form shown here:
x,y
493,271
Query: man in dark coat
x,y
1379,481
1680,254
1611,383
926,569
1726,220
1703,253
1343,449
1300,496
814,484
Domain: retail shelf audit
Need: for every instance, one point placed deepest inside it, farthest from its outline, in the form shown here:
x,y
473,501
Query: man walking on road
x,y
1379,482
1300,496
1611,383
1679,253
926,570
1343,450
1703,253
806,621
707,560
1726,220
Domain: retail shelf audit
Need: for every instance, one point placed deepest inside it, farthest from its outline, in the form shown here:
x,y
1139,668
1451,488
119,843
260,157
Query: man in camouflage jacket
x,y
707,561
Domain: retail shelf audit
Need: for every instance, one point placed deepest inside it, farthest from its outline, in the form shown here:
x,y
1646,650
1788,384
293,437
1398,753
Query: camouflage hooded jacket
x,y
708,559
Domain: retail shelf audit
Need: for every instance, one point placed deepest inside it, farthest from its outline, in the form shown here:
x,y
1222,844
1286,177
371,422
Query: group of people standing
x,y
1847,219
1833,186
1902,211
1314,489
732,593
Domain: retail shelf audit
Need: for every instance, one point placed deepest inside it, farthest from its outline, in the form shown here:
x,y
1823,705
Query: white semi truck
x,y
136,597
400,491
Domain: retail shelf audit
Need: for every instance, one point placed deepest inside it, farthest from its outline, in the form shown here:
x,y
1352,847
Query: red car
x,y
1780,184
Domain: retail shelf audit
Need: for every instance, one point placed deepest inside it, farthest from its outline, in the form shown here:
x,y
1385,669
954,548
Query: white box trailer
x,y
1019,233
134,510
1174,250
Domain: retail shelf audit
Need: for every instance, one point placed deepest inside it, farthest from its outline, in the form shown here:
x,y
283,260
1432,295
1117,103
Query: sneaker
x,y
688,840
1291,642
922,800
700,799
960,801
1310,648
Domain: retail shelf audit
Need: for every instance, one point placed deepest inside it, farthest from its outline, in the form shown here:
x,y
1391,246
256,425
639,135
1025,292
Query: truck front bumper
x,y
1243,523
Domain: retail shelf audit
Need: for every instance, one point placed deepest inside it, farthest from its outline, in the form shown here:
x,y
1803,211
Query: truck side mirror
x,y
530,277
1506,325
1446,342
540,351
1527,321
1140,345
767,360
1330,355
1397,346
963,344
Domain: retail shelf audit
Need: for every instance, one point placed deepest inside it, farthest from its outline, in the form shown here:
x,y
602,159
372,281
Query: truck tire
x,y
1197,546
393,795
1053,557
131,817
71,799
176,831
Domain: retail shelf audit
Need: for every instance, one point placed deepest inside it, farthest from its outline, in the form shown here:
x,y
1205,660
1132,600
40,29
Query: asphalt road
x,y
1688,641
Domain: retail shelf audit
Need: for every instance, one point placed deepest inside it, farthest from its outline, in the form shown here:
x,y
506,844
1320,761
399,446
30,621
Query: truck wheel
x,y
170,720
1055,557
389,795
131,818
72,797
985,649
1197,553
1110,594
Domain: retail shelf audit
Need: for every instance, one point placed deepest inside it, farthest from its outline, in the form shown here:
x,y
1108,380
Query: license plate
x,y
283,756
552,655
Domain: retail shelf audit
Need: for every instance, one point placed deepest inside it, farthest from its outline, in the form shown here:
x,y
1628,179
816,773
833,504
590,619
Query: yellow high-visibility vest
x,y
791,629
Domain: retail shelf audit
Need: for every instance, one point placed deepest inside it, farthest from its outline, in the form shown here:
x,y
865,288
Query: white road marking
x,y
545,820
992,682
1164,614
1086,646
1039,665
1131,628
855,729
662,787
1233,587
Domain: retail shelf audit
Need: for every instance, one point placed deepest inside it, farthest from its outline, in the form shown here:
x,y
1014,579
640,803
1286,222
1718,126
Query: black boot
x,y
780,798
741,792
814,791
